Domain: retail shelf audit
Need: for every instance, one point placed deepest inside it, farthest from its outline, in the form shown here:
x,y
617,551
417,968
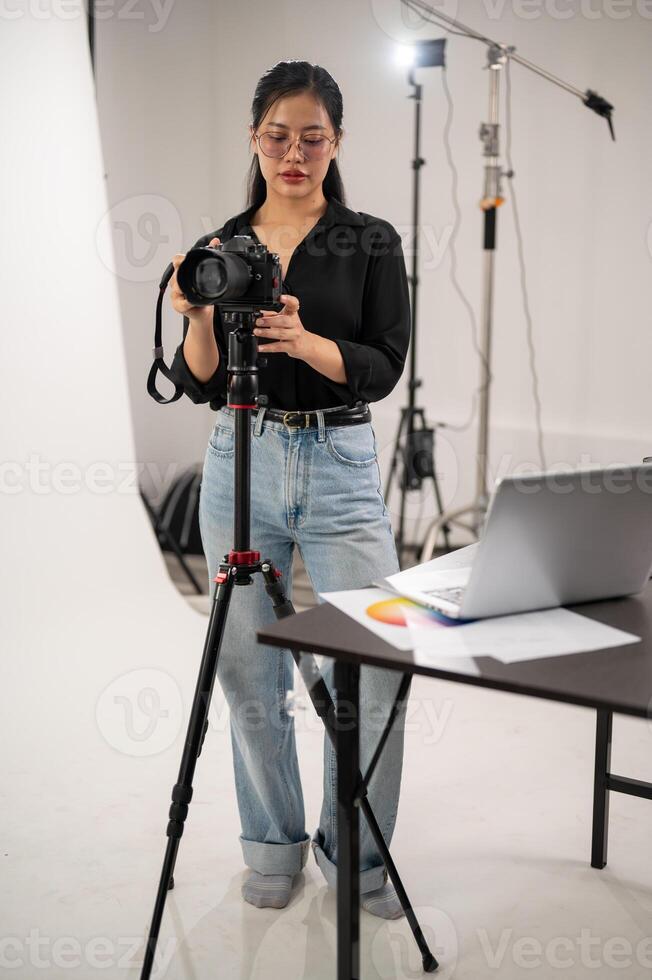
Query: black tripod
x,y
414,445
237,569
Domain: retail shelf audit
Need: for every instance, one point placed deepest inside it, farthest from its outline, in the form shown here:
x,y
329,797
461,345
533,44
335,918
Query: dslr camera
x,y
240,275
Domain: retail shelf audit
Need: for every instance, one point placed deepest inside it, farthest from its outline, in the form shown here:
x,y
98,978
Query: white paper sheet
x,y
523,636
355,602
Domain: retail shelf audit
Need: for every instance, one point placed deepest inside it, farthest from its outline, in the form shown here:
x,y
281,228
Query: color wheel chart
x,y
404,612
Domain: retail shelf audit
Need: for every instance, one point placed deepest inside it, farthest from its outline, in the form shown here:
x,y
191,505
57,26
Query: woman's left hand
x,y
285,328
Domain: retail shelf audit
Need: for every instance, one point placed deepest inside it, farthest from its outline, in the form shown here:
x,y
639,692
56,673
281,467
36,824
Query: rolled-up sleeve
x,y
375,361
199,392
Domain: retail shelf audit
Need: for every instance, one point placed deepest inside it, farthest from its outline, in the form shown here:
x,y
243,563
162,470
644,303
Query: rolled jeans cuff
x,y
275,859
370,879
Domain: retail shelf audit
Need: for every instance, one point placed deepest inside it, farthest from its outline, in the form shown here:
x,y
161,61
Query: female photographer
x,y
339,343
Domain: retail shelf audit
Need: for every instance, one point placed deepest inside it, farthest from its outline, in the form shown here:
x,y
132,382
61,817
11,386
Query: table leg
x,y
347,681
603,731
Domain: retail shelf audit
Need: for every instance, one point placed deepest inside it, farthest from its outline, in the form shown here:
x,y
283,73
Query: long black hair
x,y
289,78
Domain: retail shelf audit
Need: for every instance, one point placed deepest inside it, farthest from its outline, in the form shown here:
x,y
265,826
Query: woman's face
x,y
295,116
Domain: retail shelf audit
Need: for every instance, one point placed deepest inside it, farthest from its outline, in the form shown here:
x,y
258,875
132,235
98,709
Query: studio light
x,y
404,55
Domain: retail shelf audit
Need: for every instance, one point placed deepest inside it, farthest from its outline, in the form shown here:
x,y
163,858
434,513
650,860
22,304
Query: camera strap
x,y
157,352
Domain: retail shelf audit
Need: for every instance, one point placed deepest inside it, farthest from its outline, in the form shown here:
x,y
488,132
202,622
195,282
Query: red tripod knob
x,y
243,557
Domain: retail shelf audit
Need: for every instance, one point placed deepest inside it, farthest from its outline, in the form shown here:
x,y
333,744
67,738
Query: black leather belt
x,y
332,416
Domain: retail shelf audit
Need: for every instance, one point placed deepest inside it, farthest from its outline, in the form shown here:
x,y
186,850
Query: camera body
x,y
240,275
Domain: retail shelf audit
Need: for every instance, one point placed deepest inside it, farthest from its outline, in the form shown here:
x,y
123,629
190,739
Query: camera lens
x,y
209,277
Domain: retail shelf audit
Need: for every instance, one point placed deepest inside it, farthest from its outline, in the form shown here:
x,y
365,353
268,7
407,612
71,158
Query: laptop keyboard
x,y
451,595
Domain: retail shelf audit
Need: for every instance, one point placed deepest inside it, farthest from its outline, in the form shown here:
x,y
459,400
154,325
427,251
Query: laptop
x,y
549,539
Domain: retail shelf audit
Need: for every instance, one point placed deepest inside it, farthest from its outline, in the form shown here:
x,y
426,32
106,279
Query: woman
x,y
339,342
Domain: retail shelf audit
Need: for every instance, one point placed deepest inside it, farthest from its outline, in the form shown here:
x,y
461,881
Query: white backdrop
x,y
95,637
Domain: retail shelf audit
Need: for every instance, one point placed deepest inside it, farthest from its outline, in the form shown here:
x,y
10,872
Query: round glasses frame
x,y
311,153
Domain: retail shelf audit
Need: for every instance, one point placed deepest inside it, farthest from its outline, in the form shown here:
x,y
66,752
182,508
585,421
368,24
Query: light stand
x,y
489,134
491,201
414,445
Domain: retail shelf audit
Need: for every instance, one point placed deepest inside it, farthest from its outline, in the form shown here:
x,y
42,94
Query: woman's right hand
x,y
178,299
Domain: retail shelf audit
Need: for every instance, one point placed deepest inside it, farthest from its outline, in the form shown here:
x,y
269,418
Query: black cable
x,y
521,258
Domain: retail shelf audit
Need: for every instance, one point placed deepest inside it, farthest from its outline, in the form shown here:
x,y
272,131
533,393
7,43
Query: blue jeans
x,y
319,489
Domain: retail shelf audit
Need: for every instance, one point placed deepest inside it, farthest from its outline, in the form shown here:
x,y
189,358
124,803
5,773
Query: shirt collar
x,y
335,214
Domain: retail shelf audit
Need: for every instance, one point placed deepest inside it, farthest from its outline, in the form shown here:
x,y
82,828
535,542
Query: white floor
x,y
492,842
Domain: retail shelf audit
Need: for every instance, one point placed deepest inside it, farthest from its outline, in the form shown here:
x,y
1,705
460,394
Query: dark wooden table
x,y
618,679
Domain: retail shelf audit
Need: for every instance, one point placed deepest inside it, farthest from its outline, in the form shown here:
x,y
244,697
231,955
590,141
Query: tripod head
x,y
243,362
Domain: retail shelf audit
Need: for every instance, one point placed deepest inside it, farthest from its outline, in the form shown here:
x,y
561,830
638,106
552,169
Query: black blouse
x,y
349,276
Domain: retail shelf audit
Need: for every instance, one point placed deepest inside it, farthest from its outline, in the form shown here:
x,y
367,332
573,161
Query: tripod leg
x,y
323,704
430,964
182,790
400,540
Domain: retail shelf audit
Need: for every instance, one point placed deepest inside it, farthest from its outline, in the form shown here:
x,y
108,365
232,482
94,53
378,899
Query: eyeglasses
x,y
313,146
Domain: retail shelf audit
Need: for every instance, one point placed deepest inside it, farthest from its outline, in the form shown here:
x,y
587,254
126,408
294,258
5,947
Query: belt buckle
x,y
290,426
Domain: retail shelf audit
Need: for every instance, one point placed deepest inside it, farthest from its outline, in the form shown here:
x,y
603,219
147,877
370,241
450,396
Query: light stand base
x,y
414,451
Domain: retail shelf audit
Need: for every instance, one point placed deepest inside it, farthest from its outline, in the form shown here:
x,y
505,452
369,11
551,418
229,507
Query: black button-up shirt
x,y
349,276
